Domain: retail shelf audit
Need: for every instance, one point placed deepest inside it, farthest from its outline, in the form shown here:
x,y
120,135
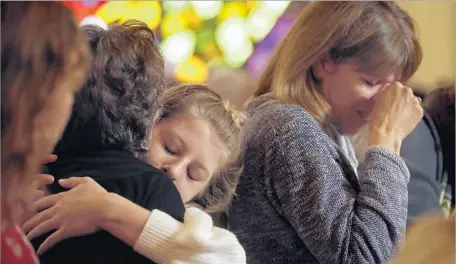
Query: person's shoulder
x,y
153,189
143,175
141,183
128,168
284,118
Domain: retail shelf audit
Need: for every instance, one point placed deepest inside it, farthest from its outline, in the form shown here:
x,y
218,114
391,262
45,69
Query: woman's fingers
x,y
43,228
72,182
53,239
41,180
50,158
37,194
37,219
46,202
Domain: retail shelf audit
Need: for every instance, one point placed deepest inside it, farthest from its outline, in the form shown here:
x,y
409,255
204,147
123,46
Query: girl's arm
x,y
87,207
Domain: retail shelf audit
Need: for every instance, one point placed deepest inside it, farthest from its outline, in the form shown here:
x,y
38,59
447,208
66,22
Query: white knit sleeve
x,y
168,241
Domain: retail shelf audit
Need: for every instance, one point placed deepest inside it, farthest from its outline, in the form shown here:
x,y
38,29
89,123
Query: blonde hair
x,y
429,240
379,35
199,101
43,52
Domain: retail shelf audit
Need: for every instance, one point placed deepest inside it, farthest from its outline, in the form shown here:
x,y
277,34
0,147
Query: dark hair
x,y
116,107
43,53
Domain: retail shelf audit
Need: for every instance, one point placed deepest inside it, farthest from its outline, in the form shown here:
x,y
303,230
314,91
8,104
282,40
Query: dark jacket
x,y
119,172
422,153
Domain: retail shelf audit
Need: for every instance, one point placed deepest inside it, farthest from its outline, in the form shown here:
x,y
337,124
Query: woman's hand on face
x,y
395,115
76,212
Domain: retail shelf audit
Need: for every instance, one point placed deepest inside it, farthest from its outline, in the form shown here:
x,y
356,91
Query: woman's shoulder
x,y
278,118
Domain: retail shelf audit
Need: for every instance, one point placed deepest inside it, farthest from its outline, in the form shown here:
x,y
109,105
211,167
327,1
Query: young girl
x,y
300,198
197,143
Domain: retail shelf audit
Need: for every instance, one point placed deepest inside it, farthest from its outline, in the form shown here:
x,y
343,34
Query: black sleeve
x,y
165,198
151,190
135,180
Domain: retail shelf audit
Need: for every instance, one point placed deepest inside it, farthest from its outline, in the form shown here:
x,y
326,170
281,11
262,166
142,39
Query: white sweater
x,y
168,241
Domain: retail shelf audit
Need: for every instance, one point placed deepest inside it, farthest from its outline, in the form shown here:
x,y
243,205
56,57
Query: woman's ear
x,y
324,67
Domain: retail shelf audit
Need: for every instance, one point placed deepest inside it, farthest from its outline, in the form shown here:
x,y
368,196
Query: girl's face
x,y
351,93
188,151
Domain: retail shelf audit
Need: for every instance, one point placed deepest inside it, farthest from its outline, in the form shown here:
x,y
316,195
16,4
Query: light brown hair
x,y
199,101
43,51
377,34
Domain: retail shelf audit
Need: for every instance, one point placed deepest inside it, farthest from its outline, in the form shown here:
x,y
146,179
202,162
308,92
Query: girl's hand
x,y
76,212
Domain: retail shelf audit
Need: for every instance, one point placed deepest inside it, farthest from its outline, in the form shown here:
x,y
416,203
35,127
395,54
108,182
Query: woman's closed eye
x,y
196,174
189,174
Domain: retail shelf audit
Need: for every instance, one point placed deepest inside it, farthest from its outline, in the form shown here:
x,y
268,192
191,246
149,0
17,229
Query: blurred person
x,y
234,85
44,61
431,239
300,199
440,104
196,142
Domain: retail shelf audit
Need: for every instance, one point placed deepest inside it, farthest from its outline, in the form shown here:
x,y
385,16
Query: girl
x,y
197,143
300,199
44,60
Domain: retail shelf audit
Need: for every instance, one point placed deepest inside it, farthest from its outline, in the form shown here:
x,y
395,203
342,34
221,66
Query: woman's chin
x,y
350,130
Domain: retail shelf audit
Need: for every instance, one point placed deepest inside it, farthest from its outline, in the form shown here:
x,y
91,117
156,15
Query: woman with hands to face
x,y
302,198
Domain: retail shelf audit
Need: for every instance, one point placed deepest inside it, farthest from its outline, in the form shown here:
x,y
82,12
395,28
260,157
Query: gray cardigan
x,y
299,199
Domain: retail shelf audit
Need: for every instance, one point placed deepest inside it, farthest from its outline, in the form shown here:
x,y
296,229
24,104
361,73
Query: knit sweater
x,y
299,200
195,241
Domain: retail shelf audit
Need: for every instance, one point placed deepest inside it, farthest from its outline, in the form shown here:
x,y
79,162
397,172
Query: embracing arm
x,y
337,223
87,207
122,218
163,239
